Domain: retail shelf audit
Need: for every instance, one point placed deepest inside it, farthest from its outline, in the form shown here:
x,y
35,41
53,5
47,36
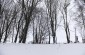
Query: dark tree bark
x,y
17,34
6,32
84,1
76,37
0,35
36,37
0,18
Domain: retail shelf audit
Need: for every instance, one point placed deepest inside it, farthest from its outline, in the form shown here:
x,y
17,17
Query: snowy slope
x,y
57,49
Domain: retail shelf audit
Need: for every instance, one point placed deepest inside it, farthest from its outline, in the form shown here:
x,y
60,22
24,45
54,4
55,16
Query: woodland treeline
x,y
18,17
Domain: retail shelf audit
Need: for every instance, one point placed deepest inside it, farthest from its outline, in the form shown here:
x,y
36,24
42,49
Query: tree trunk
x,y
0,36
24,33
0,24
6,33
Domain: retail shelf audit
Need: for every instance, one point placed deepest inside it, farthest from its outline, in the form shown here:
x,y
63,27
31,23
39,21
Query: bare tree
x,y
64,11
27,13
40,29
52,10
80,17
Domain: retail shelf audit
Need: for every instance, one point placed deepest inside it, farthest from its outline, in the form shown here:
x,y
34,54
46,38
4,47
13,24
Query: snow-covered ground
x,y
56,49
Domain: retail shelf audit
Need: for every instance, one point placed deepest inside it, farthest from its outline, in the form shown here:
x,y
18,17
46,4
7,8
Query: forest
x,y
40,21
